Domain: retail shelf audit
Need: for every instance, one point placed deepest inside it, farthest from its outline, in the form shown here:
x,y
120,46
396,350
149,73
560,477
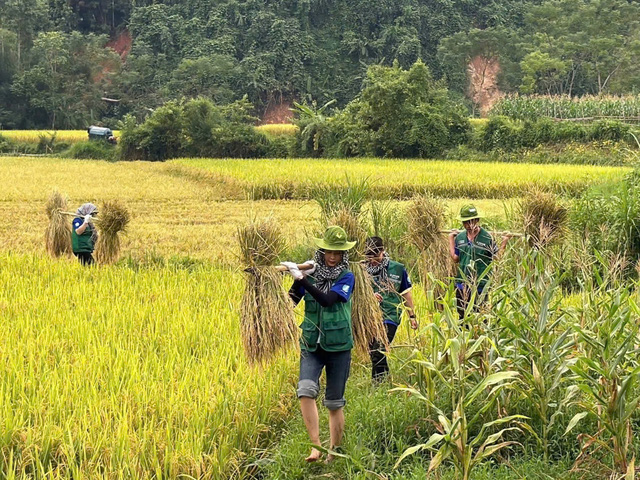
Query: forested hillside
x,y
62,62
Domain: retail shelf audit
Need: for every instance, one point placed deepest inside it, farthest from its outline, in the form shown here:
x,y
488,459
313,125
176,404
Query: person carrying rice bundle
x,y
392,288
327,337
473,249
84,234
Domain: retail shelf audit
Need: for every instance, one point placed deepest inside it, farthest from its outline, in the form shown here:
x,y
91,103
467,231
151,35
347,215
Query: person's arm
x,y
324,299
452,247
80,230
408,301
407,297
296,292
503,244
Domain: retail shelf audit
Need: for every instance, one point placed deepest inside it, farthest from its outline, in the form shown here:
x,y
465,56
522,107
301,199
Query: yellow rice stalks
x,y
58,233
113,220
426,216
267,320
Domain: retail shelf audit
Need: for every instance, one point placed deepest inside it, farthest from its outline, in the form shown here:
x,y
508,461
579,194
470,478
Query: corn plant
x,y
526,107
606,371
537,341
465,429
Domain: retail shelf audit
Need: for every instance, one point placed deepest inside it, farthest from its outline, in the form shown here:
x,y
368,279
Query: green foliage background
x,y
56,64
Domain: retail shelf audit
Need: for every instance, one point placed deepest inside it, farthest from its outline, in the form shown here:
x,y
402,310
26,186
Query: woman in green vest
x,y
473,249
392,287
327,337
84,234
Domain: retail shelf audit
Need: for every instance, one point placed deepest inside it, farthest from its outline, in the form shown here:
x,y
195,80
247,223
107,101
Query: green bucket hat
x,y
335,238
468,212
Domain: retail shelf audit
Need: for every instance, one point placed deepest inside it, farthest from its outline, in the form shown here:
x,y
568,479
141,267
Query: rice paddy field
x,y
74,136
136,370
33,136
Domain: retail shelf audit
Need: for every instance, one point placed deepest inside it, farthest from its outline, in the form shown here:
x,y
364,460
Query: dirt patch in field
x,y
277,113
483,83
121,44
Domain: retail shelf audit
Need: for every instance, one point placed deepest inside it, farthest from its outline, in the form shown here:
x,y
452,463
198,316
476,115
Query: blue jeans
x,y
337,365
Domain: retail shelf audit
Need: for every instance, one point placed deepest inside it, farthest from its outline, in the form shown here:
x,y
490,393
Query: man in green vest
x,y
473,249
327,336
392,287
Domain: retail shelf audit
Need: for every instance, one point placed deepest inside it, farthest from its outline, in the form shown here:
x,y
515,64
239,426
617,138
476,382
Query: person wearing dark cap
x,y
327,335
392,287
473,249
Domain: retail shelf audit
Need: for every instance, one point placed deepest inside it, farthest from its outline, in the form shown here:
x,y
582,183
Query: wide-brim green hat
x,y
334,238
468,212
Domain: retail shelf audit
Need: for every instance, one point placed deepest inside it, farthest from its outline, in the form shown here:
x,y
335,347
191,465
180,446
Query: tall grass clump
x,y
113,220
266,313
349,198
544,218
388,220
607,217
58,232
426,220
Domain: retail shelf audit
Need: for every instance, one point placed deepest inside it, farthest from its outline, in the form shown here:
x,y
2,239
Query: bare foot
x,y
314,456
330,459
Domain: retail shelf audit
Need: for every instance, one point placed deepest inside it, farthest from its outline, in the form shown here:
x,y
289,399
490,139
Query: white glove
x,y
313,264
88,218
293,270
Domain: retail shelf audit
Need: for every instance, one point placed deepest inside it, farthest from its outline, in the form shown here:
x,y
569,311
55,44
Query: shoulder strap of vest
x,y
395,267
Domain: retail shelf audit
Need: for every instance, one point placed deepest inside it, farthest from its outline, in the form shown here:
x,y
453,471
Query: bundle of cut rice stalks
x,y
366,314
113,220
426,218
544,218
267,320
58,233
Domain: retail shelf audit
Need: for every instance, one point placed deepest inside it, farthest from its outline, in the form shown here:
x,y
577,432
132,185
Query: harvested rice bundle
x,y
426,218
544,218
267,321
58,233
366,314
114,218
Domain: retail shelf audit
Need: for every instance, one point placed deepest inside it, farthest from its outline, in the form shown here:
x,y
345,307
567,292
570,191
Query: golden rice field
x,y
278,129
137,371
116,373
74,136
33,136
171,214
299,178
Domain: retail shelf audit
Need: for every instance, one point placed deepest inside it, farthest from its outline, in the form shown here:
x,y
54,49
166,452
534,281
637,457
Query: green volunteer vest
x,y
392,301
474,258
82,243
329,328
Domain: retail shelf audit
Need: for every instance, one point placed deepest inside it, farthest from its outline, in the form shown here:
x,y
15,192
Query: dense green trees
x,y
288,50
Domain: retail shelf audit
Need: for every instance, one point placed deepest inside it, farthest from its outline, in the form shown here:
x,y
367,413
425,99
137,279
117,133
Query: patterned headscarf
x,y
86,209
89,209
379,272
325,275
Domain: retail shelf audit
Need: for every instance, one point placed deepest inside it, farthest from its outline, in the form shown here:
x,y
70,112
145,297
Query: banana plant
x,y
472,386
313,122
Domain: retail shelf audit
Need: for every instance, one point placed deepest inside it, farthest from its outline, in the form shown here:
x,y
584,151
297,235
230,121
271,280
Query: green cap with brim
x,y
468,212
335,238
